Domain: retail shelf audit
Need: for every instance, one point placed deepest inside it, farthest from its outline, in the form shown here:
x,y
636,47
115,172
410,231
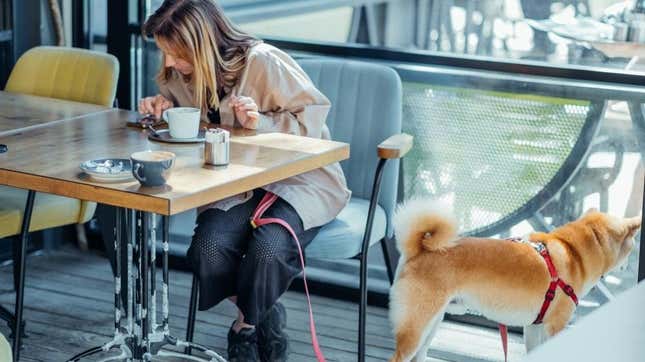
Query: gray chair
x,y
356,88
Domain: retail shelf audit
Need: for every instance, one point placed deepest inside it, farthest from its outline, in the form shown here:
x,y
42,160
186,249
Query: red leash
x,y
503,332
257,221
556,282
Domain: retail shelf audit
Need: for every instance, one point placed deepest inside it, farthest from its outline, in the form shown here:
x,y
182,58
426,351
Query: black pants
x,y
230,258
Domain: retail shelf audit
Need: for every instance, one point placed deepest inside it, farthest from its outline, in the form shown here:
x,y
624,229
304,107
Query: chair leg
x,y
7,316
362,308
81,237
24,238
388,260
15,244
192,312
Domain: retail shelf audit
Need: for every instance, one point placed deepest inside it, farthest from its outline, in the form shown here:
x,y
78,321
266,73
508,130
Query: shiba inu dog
x,y
505,281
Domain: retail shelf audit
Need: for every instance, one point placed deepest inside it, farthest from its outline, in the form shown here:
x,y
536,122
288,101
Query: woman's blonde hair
x,y
201,34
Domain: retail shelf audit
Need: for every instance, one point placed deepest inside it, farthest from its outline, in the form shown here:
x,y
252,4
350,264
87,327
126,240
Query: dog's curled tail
x,y
424,225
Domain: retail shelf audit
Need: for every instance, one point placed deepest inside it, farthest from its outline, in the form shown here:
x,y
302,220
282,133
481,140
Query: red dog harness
x,y
556,282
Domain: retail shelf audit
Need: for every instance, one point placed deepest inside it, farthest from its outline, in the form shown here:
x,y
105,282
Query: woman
x,y
239,81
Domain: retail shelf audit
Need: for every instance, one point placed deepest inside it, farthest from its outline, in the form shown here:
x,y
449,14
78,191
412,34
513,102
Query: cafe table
x,y
44,154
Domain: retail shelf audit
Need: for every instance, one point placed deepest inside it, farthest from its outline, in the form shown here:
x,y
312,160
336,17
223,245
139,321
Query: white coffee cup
x,y
183,122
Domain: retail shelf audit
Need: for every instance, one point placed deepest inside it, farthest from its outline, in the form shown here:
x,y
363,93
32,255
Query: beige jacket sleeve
x,y
287,100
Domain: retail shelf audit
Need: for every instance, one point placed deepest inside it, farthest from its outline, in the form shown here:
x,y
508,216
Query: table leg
x,y
138,289
164,296
120,339
140,341
20,292
153,273
131,234
117,277
143,245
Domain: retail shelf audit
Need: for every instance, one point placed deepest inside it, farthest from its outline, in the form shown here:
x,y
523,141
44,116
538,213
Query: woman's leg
x,y
271,262
219,242
239,322
221,239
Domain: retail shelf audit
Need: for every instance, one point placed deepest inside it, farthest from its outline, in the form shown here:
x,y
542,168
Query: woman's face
x,y
173,61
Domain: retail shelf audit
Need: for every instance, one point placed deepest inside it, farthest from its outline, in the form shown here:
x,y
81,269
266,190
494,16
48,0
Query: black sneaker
x,y
243,345
273,342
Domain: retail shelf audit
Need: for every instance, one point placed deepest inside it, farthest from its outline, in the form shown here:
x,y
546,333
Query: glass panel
x,y
308,26
287,18
568,33
563,32
98,24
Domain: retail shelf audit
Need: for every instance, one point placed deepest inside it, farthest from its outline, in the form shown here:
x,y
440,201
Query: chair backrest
x,y
66,73
496,157
366,109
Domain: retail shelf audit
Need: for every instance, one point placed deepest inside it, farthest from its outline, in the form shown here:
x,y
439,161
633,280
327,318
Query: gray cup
x,y
152,168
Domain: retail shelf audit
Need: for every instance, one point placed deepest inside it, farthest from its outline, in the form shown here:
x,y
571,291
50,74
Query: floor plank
x,y
69,308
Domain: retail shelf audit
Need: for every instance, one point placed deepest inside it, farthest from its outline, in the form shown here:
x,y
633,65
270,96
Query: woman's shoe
x,y
273,342
243,345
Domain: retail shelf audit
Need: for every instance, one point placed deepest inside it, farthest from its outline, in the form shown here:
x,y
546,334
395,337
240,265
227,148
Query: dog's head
x,y
614,234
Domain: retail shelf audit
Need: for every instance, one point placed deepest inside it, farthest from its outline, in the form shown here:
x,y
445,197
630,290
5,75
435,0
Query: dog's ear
x,y
632,225
590,211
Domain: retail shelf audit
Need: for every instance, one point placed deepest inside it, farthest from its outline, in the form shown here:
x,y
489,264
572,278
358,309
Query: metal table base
x,y
141,338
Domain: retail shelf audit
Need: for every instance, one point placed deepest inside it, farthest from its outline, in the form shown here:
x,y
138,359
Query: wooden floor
x,y
69,308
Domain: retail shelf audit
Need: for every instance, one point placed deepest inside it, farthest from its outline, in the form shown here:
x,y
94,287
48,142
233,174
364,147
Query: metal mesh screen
x,y
486,153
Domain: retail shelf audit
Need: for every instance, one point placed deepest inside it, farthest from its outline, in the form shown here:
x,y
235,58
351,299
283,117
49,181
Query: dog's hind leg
x,y
430,332
534,335
413,317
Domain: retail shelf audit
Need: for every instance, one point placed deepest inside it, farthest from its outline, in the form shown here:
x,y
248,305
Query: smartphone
x,y
145,121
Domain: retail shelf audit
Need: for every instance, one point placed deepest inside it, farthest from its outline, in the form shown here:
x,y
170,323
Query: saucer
x,y
163,135
108,169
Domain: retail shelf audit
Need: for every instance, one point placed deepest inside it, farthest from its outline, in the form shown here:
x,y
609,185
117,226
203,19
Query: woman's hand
x,y
246,111
154,105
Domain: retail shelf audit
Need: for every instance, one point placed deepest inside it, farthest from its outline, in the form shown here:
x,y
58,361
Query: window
x,y
519,128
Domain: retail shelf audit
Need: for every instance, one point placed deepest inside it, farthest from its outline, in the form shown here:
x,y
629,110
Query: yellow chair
x,y
56,72
66,73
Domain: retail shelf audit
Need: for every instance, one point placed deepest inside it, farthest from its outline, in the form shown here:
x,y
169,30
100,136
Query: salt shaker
x,y
216,147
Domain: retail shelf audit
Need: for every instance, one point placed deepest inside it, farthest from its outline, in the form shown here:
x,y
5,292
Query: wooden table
x,y
47,159
45,155
19,112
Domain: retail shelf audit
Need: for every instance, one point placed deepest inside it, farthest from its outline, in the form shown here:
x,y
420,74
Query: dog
x,y
505,281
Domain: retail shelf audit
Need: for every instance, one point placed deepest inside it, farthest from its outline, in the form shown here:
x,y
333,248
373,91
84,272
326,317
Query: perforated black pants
x,y
256,265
